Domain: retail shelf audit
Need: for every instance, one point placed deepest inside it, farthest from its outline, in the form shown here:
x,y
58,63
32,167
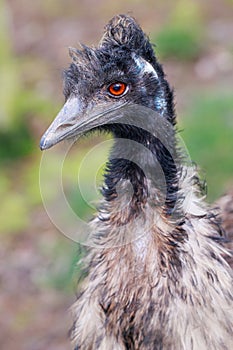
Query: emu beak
x,y
63,125
74,119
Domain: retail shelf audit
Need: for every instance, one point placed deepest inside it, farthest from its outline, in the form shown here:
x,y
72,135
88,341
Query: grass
x,y
208,131
178,43
181,37
63,256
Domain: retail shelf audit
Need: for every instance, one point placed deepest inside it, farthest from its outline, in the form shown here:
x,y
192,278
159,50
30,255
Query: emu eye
x,y
117,89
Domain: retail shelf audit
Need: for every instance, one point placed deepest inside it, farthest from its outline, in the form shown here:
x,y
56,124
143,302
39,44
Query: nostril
x,y
64,126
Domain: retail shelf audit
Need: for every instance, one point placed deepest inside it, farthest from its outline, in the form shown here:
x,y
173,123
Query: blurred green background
x,y
193,40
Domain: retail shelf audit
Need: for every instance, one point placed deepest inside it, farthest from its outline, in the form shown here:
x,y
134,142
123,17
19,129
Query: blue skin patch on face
x,y
145,67
140,65
160,104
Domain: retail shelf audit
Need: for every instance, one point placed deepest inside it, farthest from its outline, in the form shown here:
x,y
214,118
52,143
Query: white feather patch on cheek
x,y
144,66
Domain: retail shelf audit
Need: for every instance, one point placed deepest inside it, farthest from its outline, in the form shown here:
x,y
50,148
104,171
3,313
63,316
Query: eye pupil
x,y
117,89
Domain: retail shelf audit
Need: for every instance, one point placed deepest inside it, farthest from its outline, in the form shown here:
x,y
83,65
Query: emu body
x,y
154,280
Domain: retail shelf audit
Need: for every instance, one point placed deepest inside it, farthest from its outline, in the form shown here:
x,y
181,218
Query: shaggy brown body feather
x,y
225,214
170,289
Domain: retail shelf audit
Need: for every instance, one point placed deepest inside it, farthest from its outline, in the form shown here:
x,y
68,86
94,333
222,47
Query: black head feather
x,y
123,31
121,55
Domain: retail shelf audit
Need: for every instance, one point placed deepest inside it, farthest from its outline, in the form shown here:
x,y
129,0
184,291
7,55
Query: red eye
x,y
117,89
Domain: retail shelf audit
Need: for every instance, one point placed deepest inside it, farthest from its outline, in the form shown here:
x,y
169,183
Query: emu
x,y
156,276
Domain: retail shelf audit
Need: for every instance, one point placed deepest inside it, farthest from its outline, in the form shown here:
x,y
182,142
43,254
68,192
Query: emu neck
x,y
143,165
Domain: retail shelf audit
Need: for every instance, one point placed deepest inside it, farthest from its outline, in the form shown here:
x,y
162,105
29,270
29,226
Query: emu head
x,y
122,70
